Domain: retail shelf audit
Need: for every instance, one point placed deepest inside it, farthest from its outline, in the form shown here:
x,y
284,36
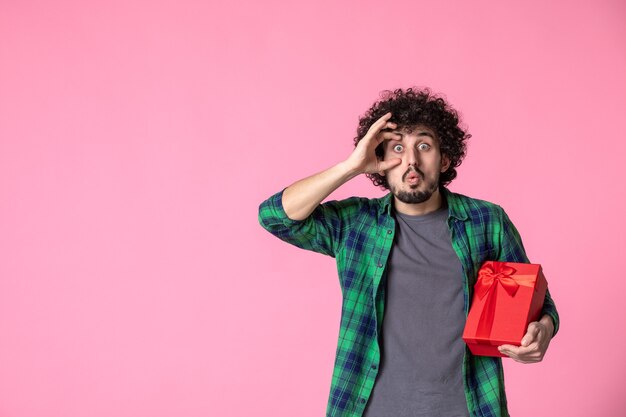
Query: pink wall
x,y
137,139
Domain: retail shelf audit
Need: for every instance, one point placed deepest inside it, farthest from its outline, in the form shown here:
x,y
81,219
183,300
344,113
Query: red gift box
x,y
507,297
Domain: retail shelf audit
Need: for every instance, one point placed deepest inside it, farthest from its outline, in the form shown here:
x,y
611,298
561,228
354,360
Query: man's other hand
x,y
534,343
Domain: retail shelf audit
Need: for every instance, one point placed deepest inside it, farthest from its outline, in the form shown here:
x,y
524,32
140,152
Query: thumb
x,y
384,165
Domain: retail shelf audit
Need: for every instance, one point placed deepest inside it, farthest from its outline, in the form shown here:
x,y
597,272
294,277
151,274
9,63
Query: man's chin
x,y
415,197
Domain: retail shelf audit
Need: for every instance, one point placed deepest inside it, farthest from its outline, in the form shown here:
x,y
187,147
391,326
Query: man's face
x,y
417,177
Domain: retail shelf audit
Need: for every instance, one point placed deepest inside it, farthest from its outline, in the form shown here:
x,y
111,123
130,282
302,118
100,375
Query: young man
x,y
407,265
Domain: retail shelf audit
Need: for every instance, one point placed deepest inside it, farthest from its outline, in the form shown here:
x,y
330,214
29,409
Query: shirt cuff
x,y
276,205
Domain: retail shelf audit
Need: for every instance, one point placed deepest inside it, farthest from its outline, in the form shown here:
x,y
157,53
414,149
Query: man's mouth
x,y
412,177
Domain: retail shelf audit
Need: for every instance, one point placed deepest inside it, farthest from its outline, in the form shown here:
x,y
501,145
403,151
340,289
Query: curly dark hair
x,y
412,107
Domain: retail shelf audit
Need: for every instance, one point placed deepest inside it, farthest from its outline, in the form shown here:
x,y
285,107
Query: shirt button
x,y
363,400
380,265
374,366
388,232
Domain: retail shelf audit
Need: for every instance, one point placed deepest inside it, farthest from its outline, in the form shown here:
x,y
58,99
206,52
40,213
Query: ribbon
x,y
489,276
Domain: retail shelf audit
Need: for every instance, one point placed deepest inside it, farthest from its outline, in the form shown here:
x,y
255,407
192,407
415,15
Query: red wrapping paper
x,y
507,297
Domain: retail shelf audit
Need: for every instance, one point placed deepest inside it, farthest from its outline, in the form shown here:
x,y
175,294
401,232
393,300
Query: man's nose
x,y
412,157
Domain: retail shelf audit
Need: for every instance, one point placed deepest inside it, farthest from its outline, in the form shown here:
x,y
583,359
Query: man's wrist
x,y
349,170
547,321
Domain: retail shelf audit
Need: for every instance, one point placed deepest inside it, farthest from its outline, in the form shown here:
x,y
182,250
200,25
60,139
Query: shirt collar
x,y
455,205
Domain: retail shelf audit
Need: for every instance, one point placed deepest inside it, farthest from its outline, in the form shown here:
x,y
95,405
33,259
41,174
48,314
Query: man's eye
x,y
424,146
398,148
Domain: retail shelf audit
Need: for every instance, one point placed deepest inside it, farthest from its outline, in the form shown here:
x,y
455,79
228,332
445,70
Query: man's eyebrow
x,y
419,133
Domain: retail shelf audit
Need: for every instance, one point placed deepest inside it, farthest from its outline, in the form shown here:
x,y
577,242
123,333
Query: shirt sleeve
x,y
320,232
512,250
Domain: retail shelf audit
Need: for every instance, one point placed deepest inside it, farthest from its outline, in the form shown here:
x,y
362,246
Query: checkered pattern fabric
x,y
359,232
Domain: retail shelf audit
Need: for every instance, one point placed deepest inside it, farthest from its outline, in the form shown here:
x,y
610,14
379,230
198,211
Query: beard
x,y
417,196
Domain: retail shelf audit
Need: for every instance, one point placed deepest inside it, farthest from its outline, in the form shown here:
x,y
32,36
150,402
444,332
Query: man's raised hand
x,y
363,159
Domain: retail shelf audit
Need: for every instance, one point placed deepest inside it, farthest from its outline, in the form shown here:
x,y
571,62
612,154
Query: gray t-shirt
x,y
422,349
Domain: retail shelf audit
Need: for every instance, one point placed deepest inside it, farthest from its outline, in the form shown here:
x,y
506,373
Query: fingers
x,y
364,157
532,334
517,350
508,350
381,121
385,165
521,354
387,136
377,126
389,125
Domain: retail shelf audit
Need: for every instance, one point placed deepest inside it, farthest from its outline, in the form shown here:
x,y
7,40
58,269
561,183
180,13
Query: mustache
x,y
419,173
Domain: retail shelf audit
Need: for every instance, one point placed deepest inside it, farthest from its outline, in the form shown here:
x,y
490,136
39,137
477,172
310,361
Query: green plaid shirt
x,y
359,232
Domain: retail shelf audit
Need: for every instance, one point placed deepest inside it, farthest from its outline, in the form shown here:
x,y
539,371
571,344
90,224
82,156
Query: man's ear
x,y
445,163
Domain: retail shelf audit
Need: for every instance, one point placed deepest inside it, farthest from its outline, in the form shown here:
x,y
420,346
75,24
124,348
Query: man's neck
x,y
434,203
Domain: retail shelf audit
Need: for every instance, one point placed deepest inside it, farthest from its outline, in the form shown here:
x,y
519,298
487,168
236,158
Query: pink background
x,y
137,139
